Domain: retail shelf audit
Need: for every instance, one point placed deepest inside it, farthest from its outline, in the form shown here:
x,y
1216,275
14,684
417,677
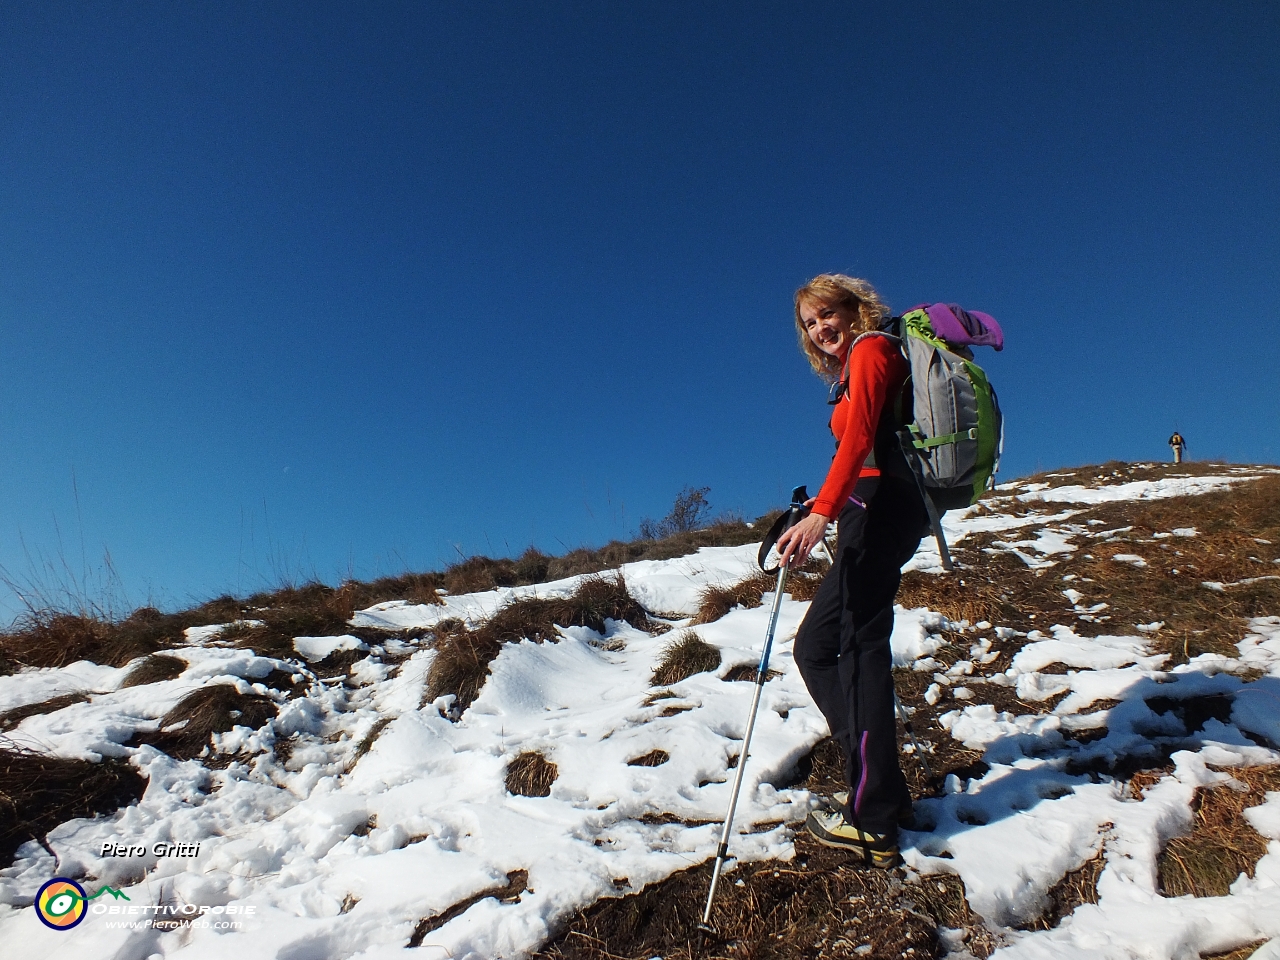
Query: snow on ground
x,y
333,854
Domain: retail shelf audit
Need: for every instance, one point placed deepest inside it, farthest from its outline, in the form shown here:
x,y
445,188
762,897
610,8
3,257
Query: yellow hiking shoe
x,y
832,830
906,819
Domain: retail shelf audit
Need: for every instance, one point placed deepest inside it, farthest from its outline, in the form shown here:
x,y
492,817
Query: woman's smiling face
x,y
829,326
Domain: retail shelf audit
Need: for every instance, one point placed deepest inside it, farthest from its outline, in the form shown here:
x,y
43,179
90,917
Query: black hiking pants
x,y
842,647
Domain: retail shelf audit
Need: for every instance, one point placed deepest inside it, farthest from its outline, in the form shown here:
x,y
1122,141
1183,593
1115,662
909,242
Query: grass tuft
x,y
684,656
11,718
187,729
654,758
462,659
60,639
39,792
748,671
716,601
530,775
157,667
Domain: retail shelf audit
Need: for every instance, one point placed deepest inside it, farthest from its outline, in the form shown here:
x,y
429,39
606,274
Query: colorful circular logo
x,y
61,903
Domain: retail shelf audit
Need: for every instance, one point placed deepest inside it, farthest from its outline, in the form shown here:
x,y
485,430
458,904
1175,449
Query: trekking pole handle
x,y
799,496
796,512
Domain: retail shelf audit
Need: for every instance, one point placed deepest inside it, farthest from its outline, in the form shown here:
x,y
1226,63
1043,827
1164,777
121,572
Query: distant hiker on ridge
x,y
842,647
1178,445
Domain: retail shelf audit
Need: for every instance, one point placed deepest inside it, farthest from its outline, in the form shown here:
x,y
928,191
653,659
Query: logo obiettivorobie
x,y
62,903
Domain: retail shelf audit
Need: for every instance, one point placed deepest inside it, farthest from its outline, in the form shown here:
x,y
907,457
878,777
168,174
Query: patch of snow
x,y
1132,558
318,648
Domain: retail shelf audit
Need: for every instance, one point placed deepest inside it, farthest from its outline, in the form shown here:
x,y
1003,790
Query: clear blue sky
x,y
318,289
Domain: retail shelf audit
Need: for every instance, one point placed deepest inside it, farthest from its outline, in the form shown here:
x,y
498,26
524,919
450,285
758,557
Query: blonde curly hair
x,y
838,290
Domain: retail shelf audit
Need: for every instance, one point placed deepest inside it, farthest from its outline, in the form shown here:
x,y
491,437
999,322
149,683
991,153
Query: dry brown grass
x,y
157,667
462,658
55,638
715,601
530,774
517,882
1222,845
187,730
1243,953
996,586
533,566
11,718
1077,887
59,639
1123,471
816,906
366,742
803,585
684,656
39,792
748,671
654,758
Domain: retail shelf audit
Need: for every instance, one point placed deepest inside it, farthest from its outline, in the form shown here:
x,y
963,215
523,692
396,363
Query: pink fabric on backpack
x,y
965,327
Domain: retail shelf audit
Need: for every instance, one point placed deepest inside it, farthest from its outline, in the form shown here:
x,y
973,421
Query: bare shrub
x,y
530,775
684,656
689,512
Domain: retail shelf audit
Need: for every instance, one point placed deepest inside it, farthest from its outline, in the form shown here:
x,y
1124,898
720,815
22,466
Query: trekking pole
x,y
906,722
794,515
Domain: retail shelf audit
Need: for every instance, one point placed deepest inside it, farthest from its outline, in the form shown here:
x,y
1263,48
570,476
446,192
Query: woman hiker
x,y
842,647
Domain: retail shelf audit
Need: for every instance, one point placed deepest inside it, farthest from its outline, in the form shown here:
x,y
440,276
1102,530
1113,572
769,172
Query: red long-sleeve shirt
x,y
875,370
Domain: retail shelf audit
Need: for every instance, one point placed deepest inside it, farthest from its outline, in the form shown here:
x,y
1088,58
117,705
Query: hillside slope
x,y
542,768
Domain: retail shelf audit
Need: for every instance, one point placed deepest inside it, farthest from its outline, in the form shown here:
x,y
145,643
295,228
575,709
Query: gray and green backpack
x,y
947,422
